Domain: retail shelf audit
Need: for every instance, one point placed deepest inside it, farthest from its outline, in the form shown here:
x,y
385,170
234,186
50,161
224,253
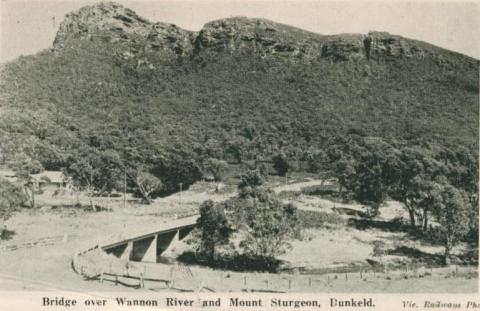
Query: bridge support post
x,y
127,253
172,245
151,252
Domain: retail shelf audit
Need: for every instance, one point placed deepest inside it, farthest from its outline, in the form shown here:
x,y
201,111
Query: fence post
x,y
116,279
101,277
309,282
361,276
170,285
266,281
346,276
244,280
289,283
328,279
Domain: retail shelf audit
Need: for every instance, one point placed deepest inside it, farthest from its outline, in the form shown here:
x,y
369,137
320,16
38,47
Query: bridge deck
x,y
183,223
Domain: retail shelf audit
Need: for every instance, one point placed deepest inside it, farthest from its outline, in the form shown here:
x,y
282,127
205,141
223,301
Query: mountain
x,y
239,89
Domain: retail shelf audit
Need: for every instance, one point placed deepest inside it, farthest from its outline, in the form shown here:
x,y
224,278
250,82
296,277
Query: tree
x,y
318,162
11,198
452,216
24,167
249,131
176,168
369,172
216,167
376,172
261,166
425,197
344,171
214,228
281,164
250,180
462,168
411,166
213,148
236,150
417,184
96,173
145,184
260,223
266,224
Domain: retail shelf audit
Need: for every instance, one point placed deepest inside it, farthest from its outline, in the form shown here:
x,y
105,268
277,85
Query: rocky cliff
x,y
112,22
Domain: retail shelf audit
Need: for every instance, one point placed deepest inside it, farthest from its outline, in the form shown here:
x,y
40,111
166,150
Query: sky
x,y
27,27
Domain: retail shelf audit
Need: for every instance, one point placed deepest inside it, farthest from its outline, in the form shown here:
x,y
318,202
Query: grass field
x,y
328,258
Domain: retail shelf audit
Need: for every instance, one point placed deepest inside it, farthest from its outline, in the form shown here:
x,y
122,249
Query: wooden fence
x,y
181,278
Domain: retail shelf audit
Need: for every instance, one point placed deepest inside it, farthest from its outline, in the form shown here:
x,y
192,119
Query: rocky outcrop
x,y
382,44
170,38
256,35
343,48
374,46
112,22
105,21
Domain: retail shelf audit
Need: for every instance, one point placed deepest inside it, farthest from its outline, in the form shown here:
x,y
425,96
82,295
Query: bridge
x,y
149,245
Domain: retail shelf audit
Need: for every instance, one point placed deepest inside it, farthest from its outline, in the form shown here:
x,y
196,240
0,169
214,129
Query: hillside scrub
x,y
252,227
228,106
181,110
12,197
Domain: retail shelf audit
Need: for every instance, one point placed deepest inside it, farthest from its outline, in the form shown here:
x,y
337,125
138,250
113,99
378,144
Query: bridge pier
x,y
127,253
149,247
151,253
145,249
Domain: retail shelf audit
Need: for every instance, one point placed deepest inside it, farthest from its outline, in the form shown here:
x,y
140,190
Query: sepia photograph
x,y
253,147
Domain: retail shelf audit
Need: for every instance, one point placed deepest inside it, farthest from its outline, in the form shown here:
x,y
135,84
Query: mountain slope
x,y
113,80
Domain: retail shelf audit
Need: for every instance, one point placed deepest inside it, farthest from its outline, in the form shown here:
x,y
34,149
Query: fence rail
x,y
141,279
46,241
181,278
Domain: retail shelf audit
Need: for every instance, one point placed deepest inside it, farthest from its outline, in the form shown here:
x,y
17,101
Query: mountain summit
x,y
104,18
111,22
240,89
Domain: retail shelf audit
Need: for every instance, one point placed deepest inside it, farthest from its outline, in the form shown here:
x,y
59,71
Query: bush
x,y
251,179
214,229
261,221
216,167
311,219
12,198
175,170
281,164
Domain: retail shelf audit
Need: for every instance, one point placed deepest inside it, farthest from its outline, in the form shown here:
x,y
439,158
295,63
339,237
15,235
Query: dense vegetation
x,y
245,232
61,105
430,180
402,126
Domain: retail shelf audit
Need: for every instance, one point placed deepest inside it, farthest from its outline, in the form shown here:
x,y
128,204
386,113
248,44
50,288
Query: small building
x,y
50,180
8,175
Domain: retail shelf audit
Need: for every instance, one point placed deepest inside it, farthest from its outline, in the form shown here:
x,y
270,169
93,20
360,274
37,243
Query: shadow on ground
x,y
432,236
237,262
349,212
389,226
417,255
